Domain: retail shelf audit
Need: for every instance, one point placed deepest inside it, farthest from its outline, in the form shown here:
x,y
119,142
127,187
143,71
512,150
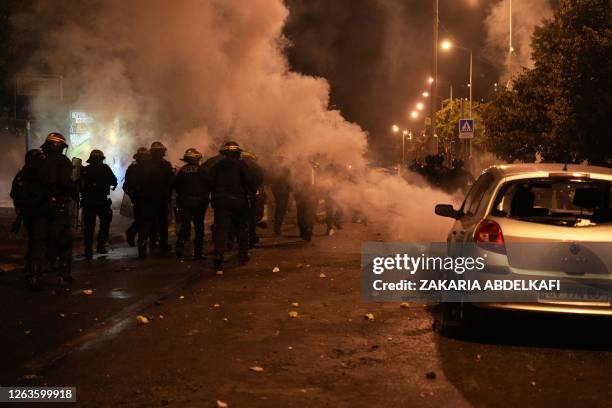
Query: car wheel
x,y
458,319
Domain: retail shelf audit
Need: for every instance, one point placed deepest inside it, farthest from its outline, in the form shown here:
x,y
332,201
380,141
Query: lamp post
x,y
404,133
447,45
395,129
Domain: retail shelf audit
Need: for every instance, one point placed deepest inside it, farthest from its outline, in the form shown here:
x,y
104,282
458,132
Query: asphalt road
x,y
207,332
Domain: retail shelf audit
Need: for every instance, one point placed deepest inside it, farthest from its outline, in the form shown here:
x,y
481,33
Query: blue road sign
x,y
466,128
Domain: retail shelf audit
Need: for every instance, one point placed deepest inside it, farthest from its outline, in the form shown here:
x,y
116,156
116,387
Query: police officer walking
x,y
281,189
257,200
30,196
191,203
96,181
134,186
230,182
53,228
158,186
306,201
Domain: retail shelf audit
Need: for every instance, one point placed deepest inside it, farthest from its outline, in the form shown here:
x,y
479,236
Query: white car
x,y
529,206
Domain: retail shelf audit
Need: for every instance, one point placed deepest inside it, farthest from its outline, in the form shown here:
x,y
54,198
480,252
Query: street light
x,y
430,80
414,114
404,134
420,106
425,94
447,45
395,128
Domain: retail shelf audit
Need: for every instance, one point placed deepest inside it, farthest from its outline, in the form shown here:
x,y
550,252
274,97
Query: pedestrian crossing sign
x,y
466,128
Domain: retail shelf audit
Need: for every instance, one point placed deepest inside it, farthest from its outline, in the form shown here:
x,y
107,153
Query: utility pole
x,y
510,48
434,85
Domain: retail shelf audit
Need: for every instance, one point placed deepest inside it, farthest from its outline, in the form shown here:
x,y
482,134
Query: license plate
x,y
575,294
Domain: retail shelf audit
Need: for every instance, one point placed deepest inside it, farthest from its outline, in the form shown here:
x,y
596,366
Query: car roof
x,y
507,170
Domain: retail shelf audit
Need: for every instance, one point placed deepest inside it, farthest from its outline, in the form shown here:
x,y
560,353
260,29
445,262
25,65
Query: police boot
x,y
101,249
243,258
88,254
142,250
130,236
65,276
34,276
180,248
198,252
218,262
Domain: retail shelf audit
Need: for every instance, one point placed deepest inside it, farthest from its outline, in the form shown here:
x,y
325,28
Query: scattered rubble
x,y
142,320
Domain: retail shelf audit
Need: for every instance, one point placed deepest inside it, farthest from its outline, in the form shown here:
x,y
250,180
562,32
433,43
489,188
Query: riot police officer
x,y
230,181
54,227
30,195
134,186
306,200
256,200
158,188
96,181
191,203
281,188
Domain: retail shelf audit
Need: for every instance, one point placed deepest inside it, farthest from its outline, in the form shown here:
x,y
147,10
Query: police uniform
x,y
50,229
96,181
257,199
191,203
30,195
230,182
134,187
159,178
306,201
279,184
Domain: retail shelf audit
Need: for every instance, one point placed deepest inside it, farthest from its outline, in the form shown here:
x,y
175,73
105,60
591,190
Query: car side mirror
x,y
447,210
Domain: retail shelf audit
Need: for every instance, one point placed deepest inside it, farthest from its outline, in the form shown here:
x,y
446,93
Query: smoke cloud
x,y
196,73
526,15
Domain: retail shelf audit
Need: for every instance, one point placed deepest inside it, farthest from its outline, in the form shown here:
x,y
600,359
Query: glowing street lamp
x,y
420,106
447,45
425,94
395,128
414,114
430,80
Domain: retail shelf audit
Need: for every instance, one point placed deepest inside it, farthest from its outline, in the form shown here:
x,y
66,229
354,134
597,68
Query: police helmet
x,y
142,152
248,154
158,146
230,147
192,156
96,156
55,141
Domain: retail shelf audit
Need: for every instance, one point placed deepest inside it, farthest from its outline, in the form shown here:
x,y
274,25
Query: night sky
x,y
376,54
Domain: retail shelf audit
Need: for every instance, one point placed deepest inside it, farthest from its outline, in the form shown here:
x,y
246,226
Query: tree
x,y
560,108
447,123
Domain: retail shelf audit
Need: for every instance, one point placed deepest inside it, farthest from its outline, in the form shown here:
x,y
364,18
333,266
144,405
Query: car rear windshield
x,y
556,201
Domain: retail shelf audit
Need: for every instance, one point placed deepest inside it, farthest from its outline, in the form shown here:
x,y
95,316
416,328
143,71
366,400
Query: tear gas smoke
x,y
526,15
196,73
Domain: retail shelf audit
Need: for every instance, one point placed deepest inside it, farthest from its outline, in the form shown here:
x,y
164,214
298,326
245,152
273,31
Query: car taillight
x,y
489,236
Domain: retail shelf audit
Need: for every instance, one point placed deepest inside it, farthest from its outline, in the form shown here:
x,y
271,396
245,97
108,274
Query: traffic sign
x,y
466,128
